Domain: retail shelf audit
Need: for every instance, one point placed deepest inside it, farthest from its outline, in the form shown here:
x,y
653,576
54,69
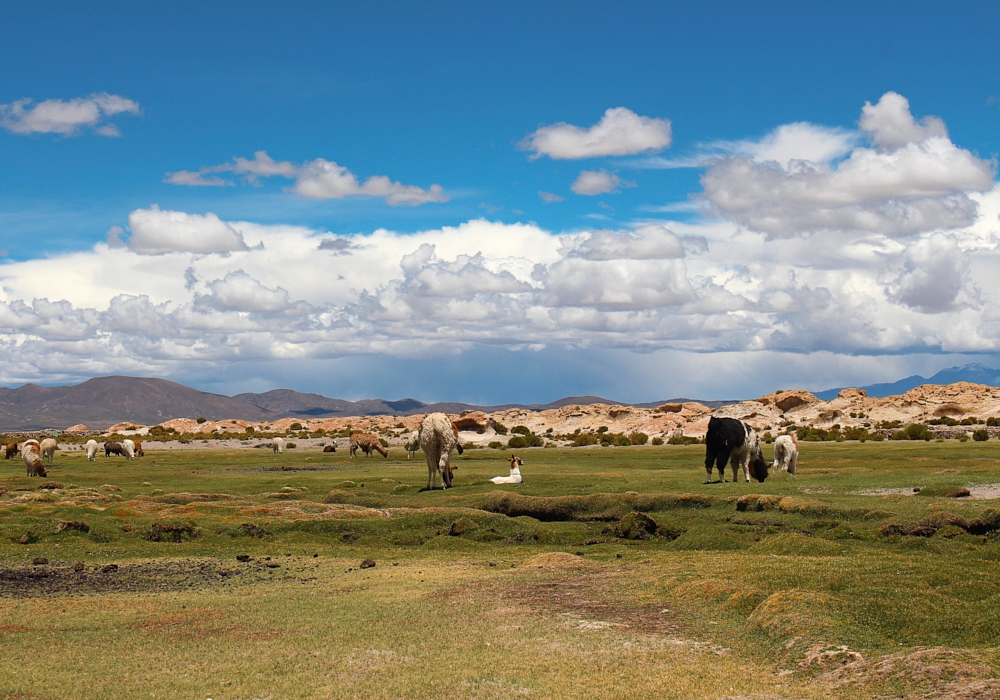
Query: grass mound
x,y
712,589
793,613
795,544
947,673
597,506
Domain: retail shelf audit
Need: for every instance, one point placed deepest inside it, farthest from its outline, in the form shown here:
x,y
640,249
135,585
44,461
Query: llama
x,y
31,453
786,454
92,448
139,452
48,449
412,443
113,448
129,447
278,445
367,443
12,450
437,439
515,473
731,440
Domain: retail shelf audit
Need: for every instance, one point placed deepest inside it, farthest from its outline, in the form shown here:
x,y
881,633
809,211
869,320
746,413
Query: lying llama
x,y
786,454
48,449
515,473
31,453
438,438
92,448
368,443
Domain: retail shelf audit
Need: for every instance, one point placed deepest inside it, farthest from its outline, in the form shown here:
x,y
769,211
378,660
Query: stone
x,y
367,564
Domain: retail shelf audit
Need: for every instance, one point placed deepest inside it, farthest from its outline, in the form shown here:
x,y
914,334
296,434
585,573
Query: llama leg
x,y
793,460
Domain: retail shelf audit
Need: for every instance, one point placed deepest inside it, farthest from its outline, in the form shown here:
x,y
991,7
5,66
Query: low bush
x,y
638,438
520,430
682,440
981,435
496,445
500,428
657,441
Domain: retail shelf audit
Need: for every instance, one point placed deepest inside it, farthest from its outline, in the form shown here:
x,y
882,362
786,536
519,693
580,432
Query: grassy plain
x,y
814,592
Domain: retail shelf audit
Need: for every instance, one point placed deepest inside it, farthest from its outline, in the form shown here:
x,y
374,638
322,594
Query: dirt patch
x,y
592,600
65,579
984,492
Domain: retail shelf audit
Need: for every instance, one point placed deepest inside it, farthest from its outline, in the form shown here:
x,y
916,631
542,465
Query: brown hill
x,y
104,401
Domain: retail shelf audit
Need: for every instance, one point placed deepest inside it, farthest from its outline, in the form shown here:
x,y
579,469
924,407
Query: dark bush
x,y
682,440
517,442
495,445
295,426
657,441
981,435
638,438
584,439
200,419
520,430
500,428
993,421
603,429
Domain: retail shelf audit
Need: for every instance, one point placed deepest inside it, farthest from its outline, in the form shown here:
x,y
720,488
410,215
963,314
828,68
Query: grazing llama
x,y
786,454
367,443
31,453
438,438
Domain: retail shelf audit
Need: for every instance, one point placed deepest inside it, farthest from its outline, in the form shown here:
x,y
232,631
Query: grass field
x,y
842,582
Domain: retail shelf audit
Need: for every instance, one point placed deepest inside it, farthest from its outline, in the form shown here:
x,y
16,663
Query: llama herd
x,y
728,440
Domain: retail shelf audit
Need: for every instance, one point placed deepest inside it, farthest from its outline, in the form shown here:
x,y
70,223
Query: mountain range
x,y
974,372
104,401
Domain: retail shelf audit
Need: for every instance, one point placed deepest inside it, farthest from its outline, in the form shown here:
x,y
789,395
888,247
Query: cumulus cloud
x,y
155,232
620,132
549,197
935,272
238,291
66,117
913,180
591,182
649,242
316,179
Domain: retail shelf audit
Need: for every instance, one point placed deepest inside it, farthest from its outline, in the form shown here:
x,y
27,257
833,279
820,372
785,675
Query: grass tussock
x,y
793,613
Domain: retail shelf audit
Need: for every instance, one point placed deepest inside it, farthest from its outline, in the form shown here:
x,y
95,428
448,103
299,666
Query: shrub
x,y
918,431
290,445
603,429
295,426
981,435
495,445
856,434
249,431
517,442
621,441
385,443
682,440
584,439
889,424
500,428
963,438
200,419
520,430
657,441
878,437
533,440
993,421
638,438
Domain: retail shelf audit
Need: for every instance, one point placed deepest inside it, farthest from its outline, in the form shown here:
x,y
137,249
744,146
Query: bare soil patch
x,y
64,579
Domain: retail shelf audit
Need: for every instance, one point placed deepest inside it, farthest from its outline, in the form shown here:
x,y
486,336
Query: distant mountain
x,y
104,401
974,372
293,403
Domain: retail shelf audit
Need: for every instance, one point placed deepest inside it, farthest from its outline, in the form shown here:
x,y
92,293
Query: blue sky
x,y
720,238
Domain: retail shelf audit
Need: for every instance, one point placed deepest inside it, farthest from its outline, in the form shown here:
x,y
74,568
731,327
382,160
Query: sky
x,y
499,202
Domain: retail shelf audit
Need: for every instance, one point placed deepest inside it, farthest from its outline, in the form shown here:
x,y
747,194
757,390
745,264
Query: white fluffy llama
x,y
437,439
786,454
92,448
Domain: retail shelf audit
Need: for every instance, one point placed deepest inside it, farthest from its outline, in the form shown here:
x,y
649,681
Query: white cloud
x,y
935,273
621,132
185,177
892,126
66,117
796,141
316,179
549,197
155,232
591,182
899,188
238,291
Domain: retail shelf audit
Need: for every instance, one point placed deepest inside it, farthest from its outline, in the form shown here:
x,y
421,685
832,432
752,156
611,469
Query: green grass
x,y
725,600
